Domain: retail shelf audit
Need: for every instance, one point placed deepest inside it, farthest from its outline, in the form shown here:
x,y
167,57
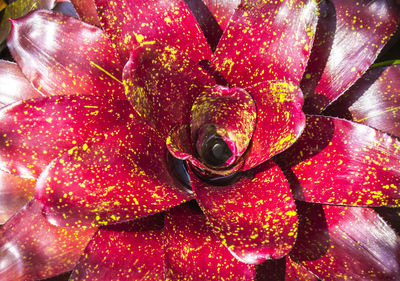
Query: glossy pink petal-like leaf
x,y
62,55
340,243
280,120
14,85
119,177
379,105
126,251
86,10
162,83
31,248
268,40
283,270
336,161
14,193
231,112
193,252
254,217
17,9
222,10
348,40
34,132
128,23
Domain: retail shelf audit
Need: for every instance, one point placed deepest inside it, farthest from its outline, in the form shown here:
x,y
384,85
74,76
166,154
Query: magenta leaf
x,y
180,80
254,217
193,252
34,132
129,23
126,251
268,40
280,120
121,176
336,161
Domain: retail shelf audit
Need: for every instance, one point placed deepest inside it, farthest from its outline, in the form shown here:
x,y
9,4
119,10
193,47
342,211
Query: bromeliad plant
x,y
180,143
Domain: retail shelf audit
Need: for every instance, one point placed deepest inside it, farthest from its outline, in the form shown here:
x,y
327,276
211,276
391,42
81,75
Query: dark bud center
x,y
216,151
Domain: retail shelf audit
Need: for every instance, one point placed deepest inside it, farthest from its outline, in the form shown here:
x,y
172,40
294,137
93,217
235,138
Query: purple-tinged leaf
x,y
126,251
374,100
86,10
17,9
62,56
280,120
222,10
268,40
339,243
121,176
31,248
283,270
14,85
128,23
254,217
14,193
348,40
34,132
179,80
193,252
336,161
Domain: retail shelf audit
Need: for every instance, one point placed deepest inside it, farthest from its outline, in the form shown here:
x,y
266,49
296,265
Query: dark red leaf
x,y
339,243
86,9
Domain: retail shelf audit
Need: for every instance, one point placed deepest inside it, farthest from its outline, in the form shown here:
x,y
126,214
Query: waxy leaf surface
x,y
255,217
340,162
14,86
62,56
222,10
128,23
126,251
349,38
14,193
33,249
268,40
17,9
119,177
161,83
280,120
339,243
34,132
193,252
86,10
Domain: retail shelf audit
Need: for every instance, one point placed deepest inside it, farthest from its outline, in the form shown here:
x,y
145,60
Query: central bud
x,y
214,147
